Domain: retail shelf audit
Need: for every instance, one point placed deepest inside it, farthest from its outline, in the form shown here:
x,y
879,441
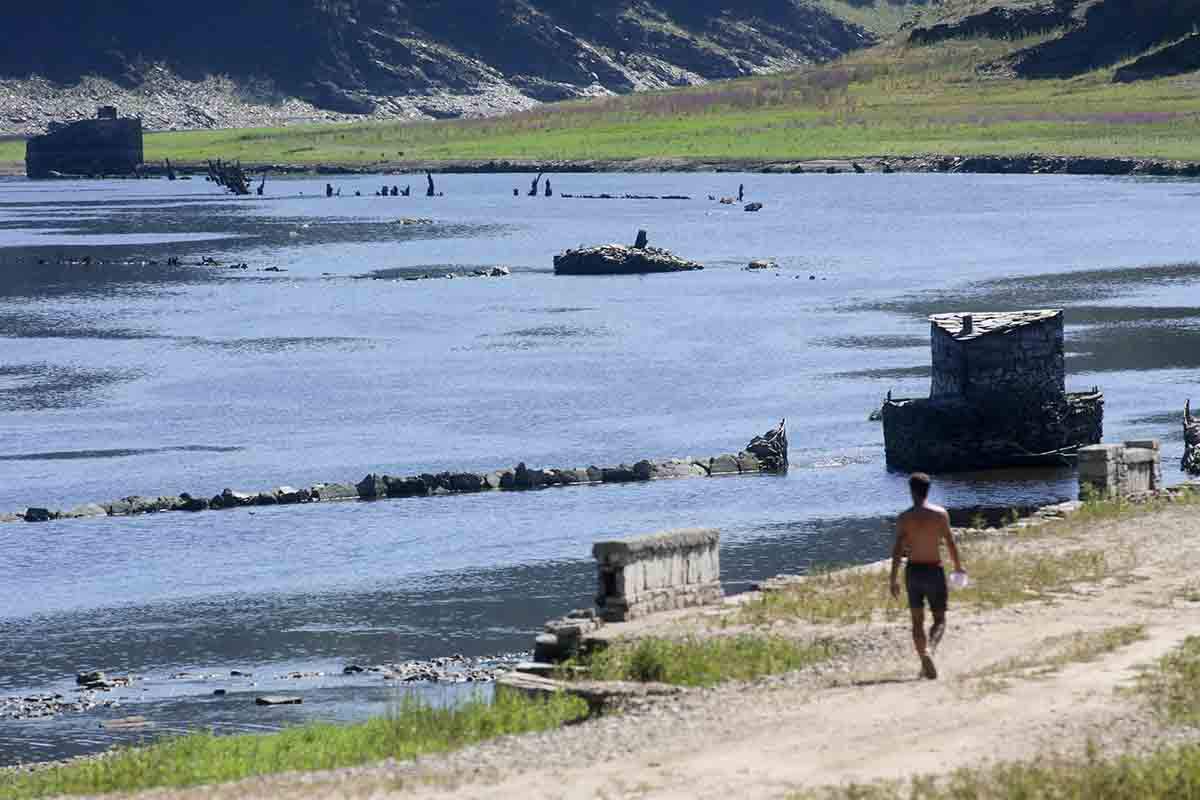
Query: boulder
x,y
525,478
466,482
406,487
508,479
723,465
289,495
328,492
266,499
228,498
616,259
619,474
86,511
371,487
438,484
118,508
39,515
678,468
595,474
762,263
644,470
189,503
278,700
492,480
499,272
754,207
571,477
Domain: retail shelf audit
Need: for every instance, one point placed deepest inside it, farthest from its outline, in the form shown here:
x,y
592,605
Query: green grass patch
x,y
1172,773
1000,575
413,729
705,661
1172,684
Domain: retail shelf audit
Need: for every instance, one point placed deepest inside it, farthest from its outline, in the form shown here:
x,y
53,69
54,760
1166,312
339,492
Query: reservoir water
x,y
120,375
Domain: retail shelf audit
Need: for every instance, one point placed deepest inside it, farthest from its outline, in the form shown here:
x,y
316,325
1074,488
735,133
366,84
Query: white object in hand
x,y
959,580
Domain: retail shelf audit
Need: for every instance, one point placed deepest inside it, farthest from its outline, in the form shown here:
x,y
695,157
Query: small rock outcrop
x,y
617,259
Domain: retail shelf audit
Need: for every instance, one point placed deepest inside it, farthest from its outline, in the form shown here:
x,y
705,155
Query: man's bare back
x,y
922,529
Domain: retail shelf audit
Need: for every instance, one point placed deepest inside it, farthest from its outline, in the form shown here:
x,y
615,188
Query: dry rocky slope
x,y
1158,34
270,62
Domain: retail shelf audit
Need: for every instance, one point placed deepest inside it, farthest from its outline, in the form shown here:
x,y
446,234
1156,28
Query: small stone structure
x,y
998,398
659,572
106,145
1120,470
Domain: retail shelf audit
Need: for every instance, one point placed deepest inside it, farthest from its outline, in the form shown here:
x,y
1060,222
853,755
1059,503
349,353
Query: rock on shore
x,y
616,259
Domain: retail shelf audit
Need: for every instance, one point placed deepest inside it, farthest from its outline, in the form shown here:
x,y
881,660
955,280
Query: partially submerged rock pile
x,y
764,454
40,706
617,259
450,669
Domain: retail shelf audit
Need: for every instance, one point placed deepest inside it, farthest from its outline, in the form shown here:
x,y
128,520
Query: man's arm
x,y
897,554
951,545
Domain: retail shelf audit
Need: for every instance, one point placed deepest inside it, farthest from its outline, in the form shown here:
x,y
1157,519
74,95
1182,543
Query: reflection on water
x,y
132,365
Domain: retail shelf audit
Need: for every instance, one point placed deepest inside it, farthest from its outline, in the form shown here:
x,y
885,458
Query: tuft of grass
x,y
414,728
1000,576
1172,684
1171,773
705,661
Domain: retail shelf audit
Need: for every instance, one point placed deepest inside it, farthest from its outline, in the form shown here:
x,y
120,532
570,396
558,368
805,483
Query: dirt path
x,y
868,718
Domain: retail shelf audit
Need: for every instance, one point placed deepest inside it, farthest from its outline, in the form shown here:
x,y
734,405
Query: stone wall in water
x,y
766,454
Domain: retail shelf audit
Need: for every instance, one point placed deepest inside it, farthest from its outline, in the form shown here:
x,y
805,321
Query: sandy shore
x,y
863,717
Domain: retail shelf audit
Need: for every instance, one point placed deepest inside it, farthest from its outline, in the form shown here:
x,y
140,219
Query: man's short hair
x,y
918,484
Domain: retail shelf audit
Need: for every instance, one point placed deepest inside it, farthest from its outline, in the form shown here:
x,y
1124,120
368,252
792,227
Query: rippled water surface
x,y
121,374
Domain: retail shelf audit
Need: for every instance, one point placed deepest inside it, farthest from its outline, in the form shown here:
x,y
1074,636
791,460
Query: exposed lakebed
x,y
136,376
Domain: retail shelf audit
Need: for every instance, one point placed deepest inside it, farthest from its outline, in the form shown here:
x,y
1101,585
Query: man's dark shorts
x,y
926,582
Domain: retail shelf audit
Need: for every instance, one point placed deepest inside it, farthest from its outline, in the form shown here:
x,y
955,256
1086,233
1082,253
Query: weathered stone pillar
x,y
659,572
1121,470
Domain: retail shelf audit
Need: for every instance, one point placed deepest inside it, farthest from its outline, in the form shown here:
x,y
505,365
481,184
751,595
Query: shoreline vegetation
x,y
893,101
816,625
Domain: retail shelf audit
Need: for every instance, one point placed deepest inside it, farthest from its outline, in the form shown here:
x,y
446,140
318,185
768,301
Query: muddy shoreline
x,y
1030,164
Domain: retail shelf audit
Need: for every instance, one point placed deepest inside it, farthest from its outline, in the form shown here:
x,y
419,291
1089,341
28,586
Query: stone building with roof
x,y
998,397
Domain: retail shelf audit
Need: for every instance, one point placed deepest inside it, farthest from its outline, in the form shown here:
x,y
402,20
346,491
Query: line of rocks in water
x,y
764,454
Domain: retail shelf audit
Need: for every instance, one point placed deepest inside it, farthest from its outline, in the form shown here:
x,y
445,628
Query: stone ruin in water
x,y
998,398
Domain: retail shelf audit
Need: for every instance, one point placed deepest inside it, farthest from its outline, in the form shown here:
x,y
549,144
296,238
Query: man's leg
x,y
928,668
938,629
918,631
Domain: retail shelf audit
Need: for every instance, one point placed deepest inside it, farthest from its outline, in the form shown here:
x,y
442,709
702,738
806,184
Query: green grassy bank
x,y
890,100
414,729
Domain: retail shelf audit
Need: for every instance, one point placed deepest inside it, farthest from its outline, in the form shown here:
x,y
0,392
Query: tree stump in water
x,y
1191,441
642,241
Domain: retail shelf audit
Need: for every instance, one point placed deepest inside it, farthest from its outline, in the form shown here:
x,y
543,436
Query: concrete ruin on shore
x,y
998,398
106,145
766,454
1120,470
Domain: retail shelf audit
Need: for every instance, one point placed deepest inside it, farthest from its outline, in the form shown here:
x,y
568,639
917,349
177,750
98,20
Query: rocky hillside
x,y
229,62
1157,36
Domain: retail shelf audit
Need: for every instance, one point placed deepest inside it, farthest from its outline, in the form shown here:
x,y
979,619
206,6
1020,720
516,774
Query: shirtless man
x,y
920,532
